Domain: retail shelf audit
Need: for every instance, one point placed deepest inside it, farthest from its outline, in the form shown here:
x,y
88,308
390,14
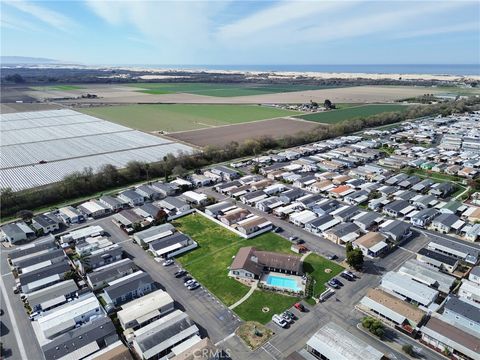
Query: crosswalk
x,y
272,351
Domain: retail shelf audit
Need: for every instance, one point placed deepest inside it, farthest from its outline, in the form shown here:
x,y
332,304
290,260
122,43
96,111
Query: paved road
x,y
7,335
214,319
17,323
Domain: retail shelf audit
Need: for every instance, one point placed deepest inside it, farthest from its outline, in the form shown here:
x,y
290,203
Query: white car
x,y
189,282
193,286
280,321
168,262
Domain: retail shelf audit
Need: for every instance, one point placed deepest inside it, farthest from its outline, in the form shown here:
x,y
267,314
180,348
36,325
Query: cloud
x,y
306,23
283,14
471,26
182,24
47,16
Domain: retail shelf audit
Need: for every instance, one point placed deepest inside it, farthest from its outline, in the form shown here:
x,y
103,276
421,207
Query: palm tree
x,y
85,261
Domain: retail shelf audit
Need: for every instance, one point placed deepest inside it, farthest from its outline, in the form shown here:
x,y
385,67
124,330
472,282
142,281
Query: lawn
x,y
182,117
210,261
221,90
344,114
217,246
58,87
251,309
315,266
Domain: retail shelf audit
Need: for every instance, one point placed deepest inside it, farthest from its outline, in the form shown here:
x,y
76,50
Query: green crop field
x,y
222,90
57,87
344,114
181,117
216,248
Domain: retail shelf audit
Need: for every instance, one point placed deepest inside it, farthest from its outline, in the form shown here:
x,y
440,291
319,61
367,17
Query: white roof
x,y
84,232
93,206
334,342
406,287
168,249
303,216
195,196
427,275
63,316
37,266
144,305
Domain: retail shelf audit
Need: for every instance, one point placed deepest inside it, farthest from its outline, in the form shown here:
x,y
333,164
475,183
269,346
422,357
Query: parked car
x,y
333,284
15,290
280,321
299,241
168,262
189,282
193,286
347,276
293,238
187,278
348,272
287,317
277,229
180,273
332,257
336,281
299,306
33,315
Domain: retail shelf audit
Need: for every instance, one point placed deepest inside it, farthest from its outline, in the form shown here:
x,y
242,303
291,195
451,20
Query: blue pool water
x,y
282,282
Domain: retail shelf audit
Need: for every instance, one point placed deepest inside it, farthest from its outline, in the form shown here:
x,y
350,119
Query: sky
x,y
243,32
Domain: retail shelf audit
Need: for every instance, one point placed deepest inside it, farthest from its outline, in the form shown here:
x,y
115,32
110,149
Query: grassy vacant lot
x,y
181,117
251,309
222,90
57,87
210,261
344,114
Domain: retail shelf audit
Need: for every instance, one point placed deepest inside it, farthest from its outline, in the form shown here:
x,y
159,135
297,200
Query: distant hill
x,y
20,60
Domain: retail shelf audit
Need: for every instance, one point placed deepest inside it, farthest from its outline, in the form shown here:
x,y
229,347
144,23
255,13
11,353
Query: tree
x,y
255,168
25,215
327,104
355,258
85,261
16,78
179,171
160,217
408,349
375,326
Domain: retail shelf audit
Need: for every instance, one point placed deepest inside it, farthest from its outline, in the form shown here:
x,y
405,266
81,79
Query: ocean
x,y
434,69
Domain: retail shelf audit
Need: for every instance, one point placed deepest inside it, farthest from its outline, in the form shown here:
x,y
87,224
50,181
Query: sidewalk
x,y
247,295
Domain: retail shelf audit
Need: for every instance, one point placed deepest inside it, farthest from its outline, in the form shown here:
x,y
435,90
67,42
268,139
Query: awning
x,y
168,249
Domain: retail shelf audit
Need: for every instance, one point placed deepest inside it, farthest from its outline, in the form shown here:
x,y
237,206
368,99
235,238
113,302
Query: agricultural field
x,y
347,113
223,135
184,117
210,261
57,87
220,90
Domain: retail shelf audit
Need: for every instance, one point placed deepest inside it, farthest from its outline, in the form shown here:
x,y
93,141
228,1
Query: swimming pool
x,y
283,282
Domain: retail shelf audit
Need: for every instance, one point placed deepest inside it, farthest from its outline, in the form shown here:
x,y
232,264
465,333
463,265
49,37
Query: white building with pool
x,y
271,269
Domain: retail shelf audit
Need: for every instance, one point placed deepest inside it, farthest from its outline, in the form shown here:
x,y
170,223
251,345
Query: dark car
x,y
332,257
336,281
290,314
180,273
333,284
347,276
187,278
